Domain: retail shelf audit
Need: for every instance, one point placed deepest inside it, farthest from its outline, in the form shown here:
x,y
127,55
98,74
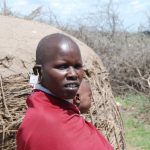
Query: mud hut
x,y
18,41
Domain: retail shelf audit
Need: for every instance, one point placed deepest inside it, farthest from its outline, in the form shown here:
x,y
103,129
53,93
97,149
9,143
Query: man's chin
x,y
70,94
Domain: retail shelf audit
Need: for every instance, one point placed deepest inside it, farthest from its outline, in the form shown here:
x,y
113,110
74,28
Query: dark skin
x,y
83,97
59,64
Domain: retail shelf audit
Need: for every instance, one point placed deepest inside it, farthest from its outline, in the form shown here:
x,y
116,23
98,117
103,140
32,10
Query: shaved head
x,y
50,45
59,65
84,87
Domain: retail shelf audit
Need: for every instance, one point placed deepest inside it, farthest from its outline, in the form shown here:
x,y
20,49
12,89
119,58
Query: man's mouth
x,y
72,85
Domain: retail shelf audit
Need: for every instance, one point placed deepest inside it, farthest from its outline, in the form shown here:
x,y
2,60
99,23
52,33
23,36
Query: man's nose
x,y
72,74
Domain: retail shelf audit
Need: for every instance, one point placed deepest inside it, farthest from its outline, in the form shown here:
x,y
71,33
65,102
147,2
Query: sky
x,y
132,13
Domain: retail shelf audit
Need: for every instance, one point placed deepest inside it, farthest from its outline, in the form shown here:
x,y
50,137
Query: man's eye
x,y
62,67
78,66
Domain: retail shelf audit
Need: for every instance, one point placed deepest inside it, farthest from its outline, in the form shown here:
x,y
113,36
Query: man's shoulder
x,y
36,119
38,99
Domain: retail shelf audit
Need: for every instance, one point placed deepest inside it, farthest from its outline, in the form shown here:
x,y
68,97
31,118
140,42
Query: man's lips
x,y
72,85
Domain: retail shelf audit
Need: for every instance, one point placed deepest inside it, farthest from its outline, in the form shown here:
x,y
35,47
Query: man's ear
x,y
37,70
77,99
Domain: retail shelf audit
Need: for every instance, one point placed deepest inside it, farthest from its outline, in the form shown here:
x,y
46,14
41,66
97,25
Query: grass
x,y
135,111
136,133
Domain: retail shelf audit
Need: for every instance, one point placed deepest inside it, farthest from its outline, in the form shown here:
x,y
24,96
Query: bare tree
x,y
5,10
34,14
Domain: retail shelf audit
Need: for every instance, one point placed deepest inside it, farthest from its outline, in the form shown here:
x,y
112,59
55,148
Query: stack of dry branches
x,y
14,89
131,76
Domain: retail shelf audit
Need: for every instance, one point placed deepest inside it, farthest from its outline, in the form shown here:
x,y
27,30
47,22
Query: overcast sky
x,y
131,12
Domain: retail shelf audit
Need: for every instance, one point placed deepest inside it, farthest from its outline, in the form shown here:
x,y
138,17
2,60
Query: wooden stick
x,y
3,137
4,100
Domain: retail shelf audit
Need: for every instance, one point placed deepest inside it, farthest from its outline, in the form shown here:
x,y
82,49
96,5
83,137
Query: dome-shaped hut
x,y
18,41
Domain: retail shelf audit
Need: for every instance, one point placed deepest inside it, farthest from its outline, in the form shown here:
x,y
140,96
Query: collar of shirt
x,y
40,87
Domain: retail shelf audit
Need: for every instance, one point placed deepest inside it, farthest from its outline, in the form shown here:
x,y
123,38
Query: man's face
x,y
63,73
85,98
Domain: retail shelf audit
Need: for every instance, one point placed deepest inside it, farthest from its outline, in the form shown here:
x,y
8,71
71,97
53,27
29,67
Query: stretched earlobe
x,y
35,76
37,69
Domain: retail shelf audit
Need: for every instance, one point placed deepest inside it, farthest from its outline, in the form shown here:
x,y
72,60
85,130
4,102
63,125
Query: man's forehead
x,y
85,86
62,47
55,44
61,42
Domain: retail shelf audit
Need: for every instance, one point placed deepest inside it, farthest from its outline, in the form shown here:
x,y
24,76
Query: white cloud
x,y
22,6
64,9
137,6
135,2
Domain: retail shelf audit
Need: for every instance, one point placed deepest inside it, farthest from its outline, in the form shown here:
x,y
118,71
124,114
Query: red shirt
x,y
54,124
